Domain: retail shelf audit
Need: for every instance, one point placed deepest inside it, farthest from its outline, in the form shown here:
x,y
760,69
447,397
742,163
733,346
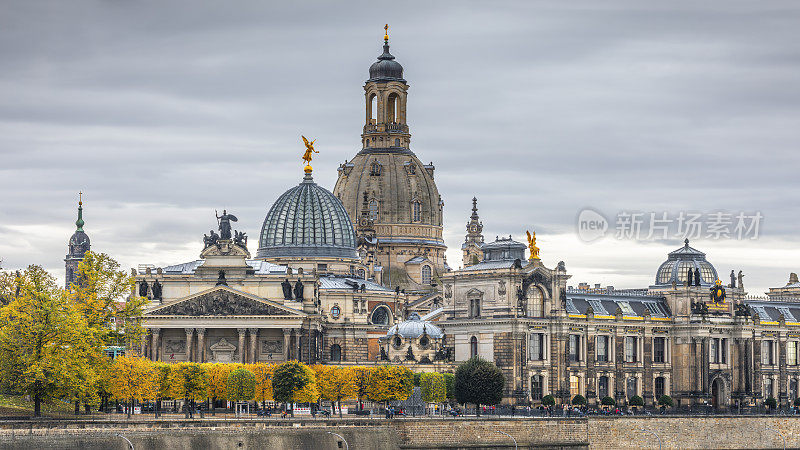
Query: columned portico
x,y
154,347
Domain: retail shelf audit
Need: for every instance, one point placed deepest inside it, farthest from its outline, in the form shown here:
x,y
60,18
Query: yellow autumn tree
x,y
363,377
390,383
189,381
433,387
133,379
218,379
263,373
336,384
47,349
294,382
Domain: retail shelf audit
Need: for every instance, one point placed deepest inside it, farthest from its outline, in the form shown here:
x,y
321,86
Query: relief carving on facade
x,y
220,303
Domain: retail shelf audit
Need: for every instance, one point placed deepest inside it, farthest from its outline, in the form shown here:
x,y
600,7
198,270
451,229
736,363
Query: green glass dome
x,y
307,220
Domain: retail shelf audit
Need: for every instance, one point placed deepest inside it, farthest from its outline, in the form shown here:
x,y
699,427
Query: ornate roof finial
x,y
532,246
79,223
309,154
386,34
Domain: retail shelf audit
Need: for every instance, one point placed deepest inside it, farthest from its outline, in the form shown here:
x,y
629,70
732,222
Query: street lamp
x,y
130,444
512,437
657,437
779,434
347,447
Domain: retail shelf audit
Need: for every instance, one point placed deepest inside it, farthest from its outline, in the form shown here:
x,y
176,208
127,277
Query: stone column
x,y
189,342
201,345
286,342
242,334
253,345
155,347
143,344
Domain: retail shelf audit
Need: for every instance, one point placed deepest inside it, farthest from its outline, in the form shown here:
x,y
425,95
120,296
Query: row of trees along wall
x,y
52,345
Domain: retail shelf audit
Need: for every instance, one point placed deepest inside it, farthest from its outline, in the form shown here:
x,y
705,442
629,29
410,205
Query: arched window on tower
x,y
372,112
373,209
375,169
473,347
426,275
391,108
416,211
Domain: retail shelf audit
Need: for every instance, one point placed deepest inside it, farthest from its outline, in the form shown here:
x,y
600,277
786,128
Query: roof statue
x,y
532,246
309,154
386,33
225,224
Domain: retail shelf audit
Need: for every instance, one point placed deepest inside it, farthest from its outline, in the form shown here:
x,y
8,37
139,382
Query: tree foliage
x,y
449,380
771,402
549,400
608,401
218,378
336,383
263,373
47,349
104,292
479,382
189,381
665,400
433,387
294,382
133,378
241,385
579,400
636,401
363,375
390,383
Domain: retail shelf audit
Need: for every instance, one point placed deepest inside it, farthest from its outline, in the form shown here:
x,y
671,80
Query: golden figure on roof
x,y
532,246
309,154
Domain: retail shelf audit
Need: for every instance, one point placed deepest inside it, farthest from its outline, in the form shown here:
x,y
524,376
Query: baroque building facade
x,y
358,276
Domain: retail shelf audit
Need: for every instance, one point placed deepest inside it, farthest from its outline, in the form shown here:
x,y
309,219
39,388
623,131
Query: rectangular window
x,y
626,308
537,347
602,349
768,388
791,353
574,347
659,350
766,353
723,351
537,387
713,351
602,387
574,385
630,349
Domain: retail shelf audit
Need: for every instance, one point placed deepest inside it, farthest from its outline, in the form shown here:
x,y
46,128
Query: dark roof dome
x,y
678,263
414,327
386,68
307,220
79,243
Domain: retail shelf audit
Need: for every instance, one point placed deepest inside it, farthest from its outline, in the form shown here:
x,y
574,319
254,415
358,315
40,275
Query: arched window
x,y
659,387
416,211
362,274
537,387
375,169
397,142
336,353
602,387
391,108
372,112
473,347
426,275
474,307
536,302
373,209
380,316
367,142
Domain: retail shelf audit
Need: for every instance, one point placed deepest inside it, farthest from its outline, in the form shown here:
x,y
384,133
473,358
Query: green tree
x,y
363,376
449,380
241,385
665,401
771,403
636,401
46,346
548,400
579,400
294,382
433,387
797,402
608,401
479,382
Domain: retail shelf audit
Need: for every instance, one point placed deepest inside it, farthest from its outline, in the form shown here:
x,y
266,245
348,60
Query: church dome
x,y
386,68
415,327
678,263
307,220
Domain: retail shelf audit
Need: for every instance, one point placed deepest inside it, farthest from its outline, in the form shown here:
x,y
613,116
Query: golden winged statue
x,y
309,154
532,246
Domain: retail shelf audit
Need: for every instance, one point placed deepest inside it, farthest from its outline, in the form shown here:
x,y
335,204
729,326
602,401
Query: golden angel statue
x,y
308,155
532,246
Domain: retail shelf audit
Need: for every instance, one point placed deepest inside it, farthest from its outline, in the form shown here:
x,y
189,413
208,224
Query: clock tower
x,y
78,246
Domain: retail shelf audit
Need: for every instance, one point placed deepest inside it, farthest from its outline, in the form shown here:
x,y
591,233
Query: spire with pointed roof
x,y
474,238
79,244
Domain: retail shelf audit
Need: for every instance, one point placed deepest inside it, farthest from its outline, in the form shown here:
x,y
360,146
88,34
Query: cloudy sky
x,y
161,112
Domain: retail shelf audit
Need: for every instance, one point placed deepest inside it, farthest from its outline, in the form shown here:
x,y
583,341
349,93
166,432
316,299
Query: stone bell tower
x,y
78,246
471,248
387,184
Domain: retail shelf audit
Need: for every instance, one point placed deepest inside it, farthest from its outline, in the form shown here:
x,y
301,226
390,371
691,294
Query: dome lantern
x,y
678,263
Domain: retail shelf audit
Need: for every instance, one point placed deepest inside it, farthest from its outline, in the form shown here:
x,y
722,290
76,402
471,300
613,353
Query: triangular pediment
x,y
224,301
